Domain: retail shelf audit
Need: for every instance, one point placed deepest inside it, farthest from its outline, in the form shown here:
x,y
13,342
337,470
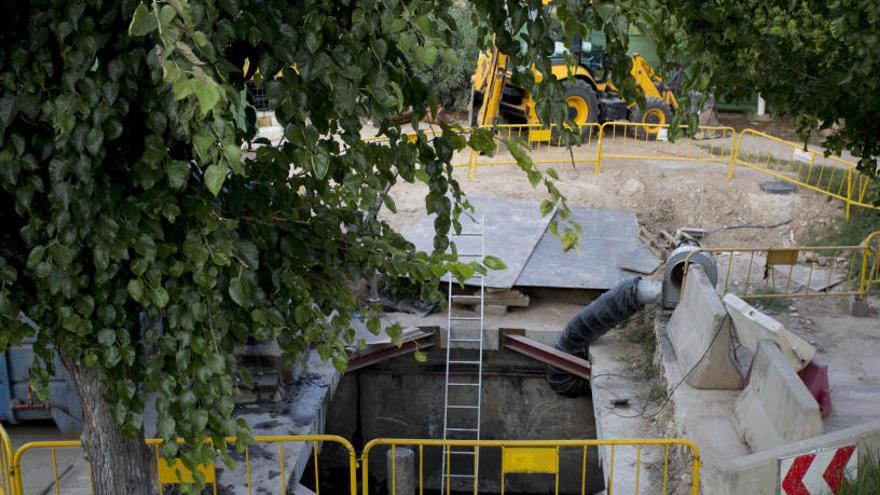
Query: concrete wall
x,y
402,398
775,408
700,333
758,474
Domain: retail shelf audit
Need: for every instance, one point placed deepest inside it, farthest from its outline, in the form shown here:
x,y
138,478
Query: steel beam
x,y
415,341
546,354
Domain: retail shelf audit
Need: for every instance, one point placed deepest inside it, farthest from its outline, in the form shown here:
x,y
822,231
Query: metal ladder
x,y
463,387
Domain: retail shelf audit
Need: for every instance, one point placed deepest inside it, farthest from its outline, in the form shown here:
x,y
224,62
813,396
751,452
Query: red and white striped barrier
x,y
817,472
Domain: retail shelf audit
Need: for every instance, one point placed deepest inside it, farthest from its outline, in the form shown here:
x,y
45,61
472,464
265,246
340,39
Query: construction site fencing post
x,y
870,275
645,141
799,271
530,457
6,457
177,473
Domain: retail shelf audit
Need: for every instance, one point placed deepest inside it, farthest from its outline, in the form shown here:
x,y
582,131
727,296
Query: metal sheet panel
x,y
512,230
609,241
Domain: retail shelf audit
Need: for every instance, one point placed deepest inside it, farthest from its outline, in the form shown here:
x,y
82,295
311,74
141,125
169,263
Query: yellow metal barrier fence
x,y
640,141
5,463
518,457
870,275
788,161
544,145
766,273
176,473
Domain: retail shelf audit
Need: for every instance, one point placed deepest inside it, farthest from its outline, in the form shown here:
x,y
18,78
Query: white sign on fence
x,y
802,156
663,134
817,472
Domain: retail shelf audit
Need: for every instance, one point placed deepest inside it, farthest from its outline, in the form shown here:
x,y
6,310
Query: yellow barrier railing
x,y
525,457
627,140
788,161
6,458
545,146
766,273
640,141
176,473
870,275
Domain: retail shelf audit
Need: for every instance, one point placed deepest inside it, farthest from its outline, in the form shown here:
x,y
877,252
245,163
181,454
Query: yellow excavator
x,y
590,93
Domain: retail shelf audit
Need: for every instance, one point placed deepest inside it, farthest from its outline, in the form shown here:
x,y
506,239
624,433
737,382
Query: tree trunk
x,y
118,464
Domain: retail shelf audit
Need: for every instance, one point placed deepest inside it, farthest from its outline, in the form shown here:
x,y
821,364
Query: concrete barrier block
x,y
775,408
700,334
752,326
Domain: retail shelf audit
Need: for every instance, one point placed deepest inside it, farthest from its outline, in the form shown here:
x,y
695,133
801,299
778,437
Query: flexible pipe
x,y
601,315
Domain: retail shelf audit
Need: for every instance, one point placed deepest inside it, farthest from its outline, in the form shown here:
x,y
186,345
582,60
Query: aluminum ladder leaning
x,y
463,385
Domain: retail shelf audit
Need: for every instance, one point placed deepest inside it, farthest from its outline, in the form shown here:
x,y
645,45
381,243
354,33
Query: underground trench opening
x,y
403,398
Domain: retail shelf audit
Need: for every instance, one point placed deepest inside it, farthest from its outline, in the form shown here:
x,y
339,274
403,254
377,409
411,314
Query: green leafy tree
x,y
141,244
815,60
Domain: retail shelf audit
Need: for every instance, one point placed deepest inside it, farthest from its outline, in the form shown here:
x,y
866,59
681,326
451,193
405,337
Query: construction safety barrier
x,y
6,458
544,145
642,141
788,161
522,457
870,276
598,142
267,473
766,273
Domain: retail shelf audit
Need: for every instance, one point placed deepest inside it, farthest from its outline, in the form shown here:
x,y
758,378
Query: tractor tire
x,y
583,108
476,104
656,112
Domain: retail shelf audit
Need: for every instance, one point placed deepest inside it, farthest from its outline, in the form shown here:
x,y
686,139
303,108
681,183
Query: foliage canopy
x,y
146,245
814,60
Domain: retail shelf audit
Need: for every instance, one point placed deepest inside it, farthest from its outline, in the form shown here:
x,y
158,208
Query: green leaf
x,y
177,172
208,95
249,253
35,256
166,14
389,203
605,10
216,363
159,296
136,289
233,155
240,291
165,427
546,207
426,55
420,356
106,337
320,164
143,22
494,263
215,175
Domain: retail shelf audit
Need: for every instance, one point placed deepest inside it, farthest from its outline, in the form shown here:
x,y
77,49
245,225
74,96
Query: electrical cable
x,y
672,391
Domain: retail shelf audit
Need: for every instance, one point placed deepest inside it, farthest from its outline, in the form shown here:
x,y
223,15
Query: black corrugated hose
x,y
601,315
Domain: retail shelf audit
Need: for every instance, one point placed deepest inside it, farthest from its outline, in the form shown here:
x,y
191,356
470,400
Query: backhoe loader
x,y
590,93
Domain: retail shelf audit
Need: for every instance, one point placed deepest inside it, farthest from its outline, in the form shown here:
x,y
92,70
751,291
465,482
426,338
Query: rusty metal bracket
x,y
415,341
546,354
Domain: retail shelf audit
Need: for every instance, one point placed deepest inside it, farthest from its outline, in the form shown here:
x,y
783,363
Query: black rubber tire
x,y
577,88
656,111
